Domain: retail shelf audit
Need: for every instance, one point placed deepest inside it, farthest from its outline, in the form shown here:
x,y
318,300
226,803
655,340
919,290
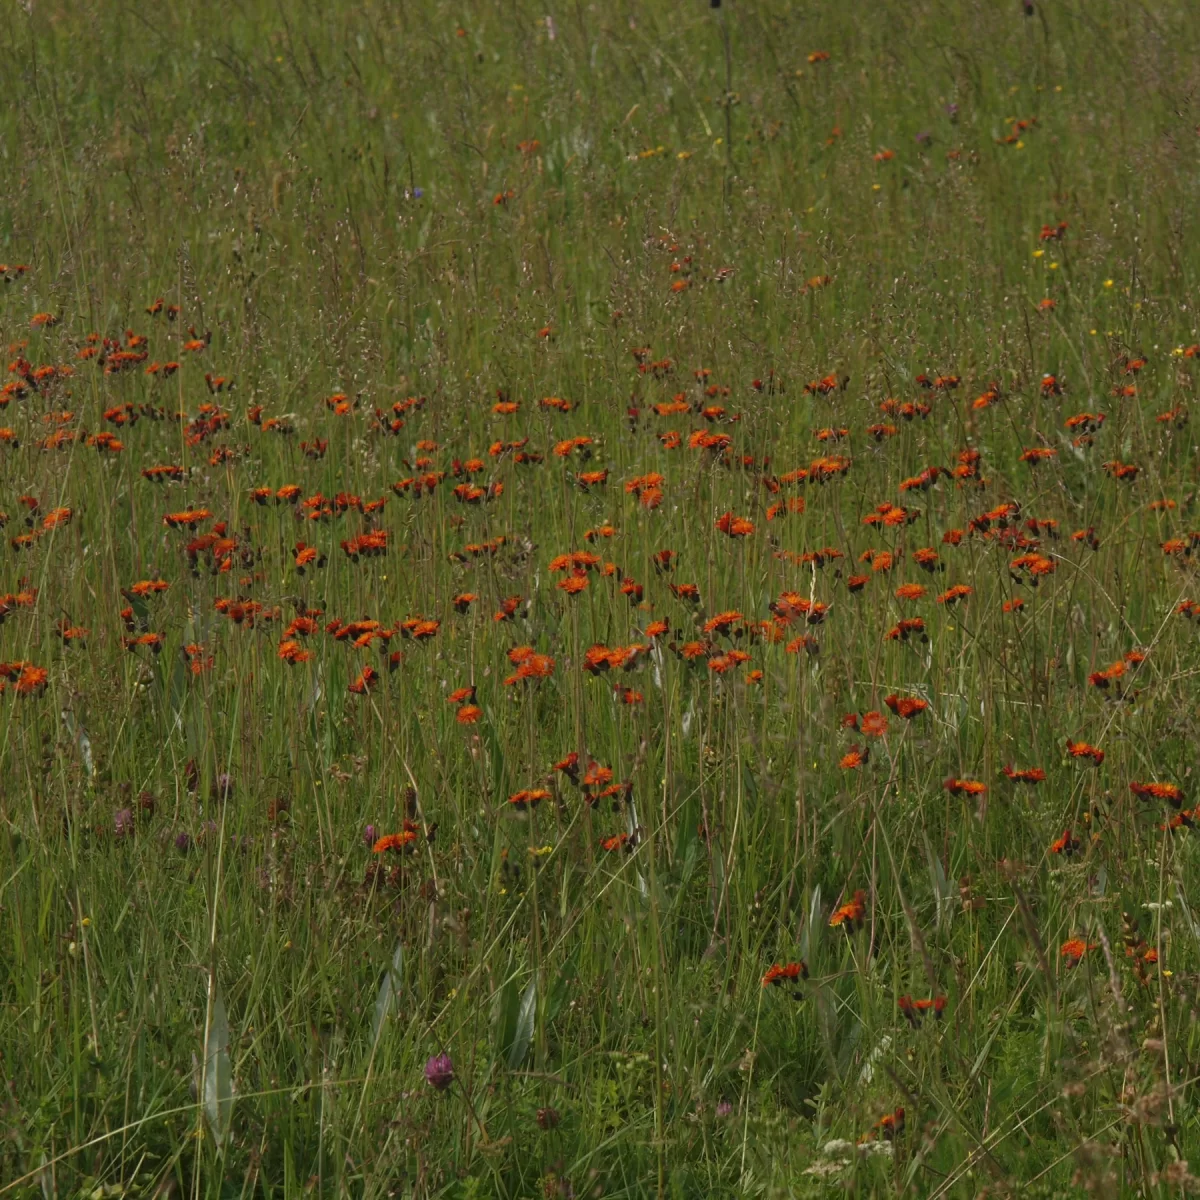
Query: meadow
x,y
599,599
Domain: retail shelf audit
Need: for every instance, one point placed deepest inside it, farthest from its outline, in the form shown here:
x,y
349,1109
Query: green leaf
x,y
393,977
523,1035
810,939
218,1071
505,1018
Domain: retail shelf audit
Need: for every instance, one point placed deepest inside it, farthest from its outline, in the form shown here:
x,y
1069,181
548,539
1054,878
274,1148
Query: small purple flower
x,y
952,112
370,835
439,1072
183,842
724,1109
924,137
123,822
222,788
418,193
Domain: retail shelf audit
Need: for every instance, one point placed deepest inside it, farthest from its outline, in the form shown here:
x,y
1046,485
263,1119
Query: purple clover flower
x,y
439,1072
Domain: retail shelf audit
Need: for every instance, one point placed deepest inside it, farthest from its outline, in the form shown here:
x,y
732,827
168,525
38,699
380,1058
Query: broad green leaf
x,y
504,1018
523,1034
218,1072
393,977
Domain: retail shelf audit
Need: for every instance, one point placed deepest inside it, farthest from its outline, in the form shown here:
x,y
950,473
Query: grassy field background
x,y
772,262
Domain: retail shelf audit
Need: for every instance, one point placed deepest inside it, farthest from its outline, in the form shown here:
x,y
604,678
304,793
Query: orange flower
x,y
1065,845
790,973
735,527
528,798
851,913
960,591
965,787
394,841
1170,792
907,707
1026,775
1073,951
368,677
32,681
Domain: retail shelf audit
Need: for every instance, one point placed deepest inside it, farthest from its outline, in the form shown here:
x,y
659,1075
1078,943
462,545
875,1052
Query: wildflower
x,y
1065,845
1170,792
1084,750
439,1072
789,973
1073,951
964,787
851,913
394,841
735,527
907,707
915,1010
528,798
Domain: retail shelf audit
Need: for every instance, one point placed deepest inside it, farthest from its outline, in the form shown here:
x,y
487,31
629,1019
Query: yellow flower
x,y
1108,283
876,187
1054,266
684,155
1038,253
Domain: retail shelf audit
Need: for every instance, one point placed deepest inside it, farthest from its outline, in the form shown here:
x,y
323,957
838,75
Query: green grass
x,y
209,984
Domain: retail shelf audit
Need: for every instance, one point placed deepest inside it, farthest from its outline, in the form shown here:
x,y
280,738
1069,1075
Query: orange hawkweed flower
x,y
960,591
394,841
56,517
915,1010
508,609
906,707
851,913
1025,775
1084,750
187,519
964,787
1065,845
789,973
368,677
734,527
148,587
890,1125
30,680
1123,472
528,798
1170,792
290,651
1073,951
